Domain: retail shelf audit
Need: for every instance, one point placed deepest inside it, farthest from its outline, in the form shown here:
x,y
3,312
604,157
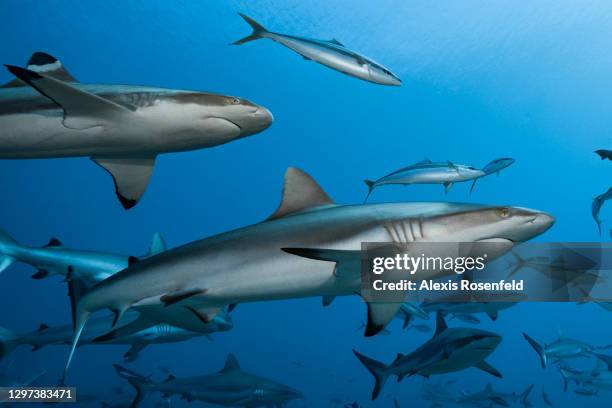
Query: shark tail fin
x,y
565,379
371,186
138,381
7,246
525,395
377,369
258,29
8,341
538,349
77,288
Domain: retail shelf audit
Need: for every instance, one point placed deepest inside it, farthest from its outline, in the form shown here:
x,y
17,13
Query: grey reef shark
x,y
309,247
46,113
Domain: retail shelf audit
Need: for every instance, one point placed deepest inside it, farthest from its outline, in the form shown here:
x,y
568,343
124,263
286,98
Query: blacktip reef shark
x,y
598,202
46,113
449,350
427,172
229,387
56,259
99,332
332,54
309,247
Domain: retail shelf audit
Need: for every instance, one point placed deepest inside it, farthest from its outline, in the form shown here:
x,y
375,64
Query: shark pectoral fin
x,y
179,295
133,327
348,263
440,324
447,186
204,314
82,110
486,367
379,315
327,300
132,354
300,192
130,175
493,314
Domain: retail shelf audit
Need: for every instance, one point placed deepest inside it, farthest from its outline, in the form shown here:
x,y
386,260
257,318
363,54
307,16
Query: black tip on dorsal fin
x,y
40,58
132,260
53,243
440,324
42,327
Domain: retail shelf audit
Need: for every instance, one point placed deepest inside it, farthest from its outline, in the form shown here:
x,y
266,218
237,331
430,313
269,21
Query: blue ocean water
x,y
481,80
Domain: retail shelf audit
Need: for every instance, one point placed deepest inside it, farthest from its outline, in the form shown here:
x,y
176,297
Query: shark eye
x,y
235,101
504,213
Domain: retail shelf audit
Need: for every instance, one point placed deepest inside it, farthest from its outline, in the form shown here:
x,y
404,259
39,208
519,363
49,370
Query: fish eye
x,y
235,101
503,212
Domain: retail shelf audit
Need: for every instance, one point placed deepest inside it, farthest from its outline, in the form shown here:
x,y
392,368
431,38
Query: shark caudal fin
x,y
8,342
7,246
538,349
377,369
138,381
525,395
371,186
258,30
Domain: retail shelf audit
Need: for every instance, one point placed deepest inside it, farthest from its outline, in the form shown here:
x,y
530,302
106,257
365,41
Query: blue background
x,y
481,80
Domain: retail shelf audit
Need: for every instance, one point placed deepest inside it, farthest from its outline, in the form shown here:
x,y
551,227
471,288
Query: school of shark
x,y
308,247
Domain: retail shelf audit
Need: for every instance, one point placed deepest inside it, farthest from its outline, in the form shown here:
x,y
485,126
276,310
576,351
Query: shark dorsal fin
x,y
53,243
334,41
300,192
42,327
157,245
48,65
170,378
440,324
231,364
424,161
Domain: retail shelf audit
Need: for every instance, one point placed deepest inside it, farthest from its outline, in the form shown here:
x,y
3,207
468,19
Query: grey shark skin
x,y
99,332
491,309
489,397
229,387
604,154
309,247
56,259
561,349
598,202
449,350
331,53
46,113
427,172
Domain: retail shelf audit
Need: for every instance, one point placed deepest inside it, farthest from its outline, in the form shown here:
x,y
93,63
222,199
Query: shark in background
x,y
332,54
130,332
488,397
46,113
449,350
309,247
229,387
598,202
56,259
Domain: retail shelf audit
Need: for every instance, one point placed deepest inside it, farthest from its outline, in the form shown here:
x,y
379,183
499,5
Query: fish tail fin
x,y
138,381
538,349
565,379
7,247
377,369
77,288
525,395
8,341
258,30
370,185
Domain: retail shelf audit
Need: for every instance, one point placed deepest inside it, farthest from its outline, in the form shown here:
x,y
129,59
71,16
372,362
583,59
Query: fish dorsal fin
x,y
170,378
158,245
42,327
334,41
231,364
300,192
47,64
440,324
53,243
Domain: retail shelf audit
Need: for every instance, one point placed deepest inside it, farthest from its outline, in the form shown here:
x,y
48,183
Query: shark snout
x,y
256,121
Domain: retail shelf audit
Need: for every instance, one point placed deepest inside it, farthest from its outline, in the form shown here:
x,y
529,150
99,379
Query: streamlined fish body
x,y
332,54
57,259
229,387
561,349
598,202
46,113
427,172
490,397
449,350
308,247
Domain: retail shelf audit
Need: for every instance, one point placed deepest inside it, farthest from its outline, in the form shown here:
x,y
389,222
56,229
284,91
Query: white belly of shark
x,y
45,113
